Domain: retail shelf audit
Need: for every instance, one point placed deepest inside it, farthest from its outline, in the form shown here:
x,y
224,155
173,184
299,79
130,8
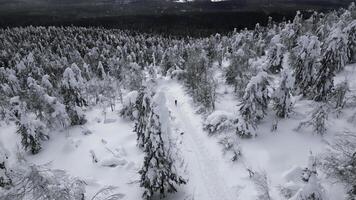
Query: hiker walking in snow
x,y
175,102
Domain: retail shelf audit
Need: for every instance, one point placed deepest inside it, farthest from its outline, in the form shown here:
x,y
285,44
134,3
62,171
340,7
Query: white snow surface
x,y
210,175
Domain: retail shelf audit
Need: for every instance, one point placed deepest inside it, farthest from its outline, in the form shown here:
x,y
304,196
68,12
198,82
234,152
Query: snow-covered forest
x,y
106,114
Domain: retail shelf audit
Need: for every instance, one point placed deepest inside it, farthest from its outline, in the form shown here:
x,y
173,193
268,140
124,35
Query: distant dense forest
x,y
196,19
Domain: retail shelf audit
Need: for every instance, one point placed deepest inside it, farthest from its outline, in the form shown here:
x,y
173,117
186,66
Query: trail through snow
x,y
201,154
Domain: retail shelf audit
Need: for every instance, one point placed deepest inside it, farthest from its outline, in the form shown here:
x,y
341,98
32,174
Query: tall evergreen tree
x,y
71,89
282,95
306,61
158,174
254,103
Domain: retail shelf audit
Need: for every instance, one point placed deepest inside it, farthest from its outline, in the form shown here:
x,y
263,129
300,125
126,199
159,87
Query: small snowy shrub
x,y
231,148
219,121
303,184
244,129
41,183
261,183
339,162
5,181
317,120
338,95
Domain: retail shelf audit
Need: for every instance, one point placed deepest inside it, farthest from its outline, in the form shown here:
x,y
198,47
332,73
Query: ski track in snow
x,y
207,182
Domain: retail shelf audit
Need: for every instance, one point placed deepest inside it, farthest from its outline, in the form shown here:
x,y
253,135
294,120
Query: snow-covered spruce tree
x,y
275,53
9,87
254,104
143,109
335,48
133,77
306,58
158,173
281,97
312,190
351,32
317,120
259,40
199,79
47,108
335,57
71,90
31,129
167,62
288,37
237,73
339,162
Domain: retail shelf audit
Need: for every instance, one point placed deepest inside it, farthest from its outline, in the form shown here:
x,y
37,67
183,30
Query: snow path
x,y
201,154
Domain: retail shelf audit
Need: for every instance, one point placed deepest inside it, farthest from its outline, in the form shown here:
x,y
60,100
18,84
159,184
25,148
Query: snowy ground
x,y
211,176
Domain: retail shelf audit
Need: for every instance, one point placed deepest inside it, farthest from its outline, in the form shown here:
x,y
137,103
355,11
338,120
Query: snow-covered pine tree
x,y
335,48
335,57
101,71
9,87
71,90
339,162
199,79
275,54
31,129
167,61
143,109
298,24
350,30
259,40
47,108
255,100
133,76
312,190
237,72
158,174
282,95
288,37
306,58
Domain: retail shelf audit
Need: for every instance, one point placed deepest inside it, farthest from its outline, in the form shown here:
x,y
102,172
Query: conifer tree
x,y
143,107
275,54
237,72
254,103
31,130
312,190
339,162
158,174
282,95
71,89
306,61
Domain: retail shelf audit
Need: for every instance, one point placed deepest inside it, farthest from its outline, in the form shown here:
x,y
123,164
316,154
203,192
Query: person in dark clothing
x,y
176,102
